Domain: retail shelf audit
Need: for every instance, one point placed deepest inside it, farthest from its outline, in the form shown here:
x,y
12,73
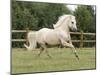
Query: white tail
x,y
32,41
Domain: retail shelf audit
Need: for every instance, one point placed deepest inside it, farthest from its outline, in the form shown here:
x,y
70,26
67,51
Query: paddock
x,y
24,61
62,60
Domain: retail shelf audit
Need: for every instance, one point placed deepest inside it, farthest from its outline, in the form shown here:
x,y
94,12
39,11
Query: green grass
x,y
62,59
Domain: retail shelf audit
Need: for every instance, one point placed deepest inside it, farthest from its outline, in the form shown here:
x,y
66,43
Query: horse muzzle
x,y
74,29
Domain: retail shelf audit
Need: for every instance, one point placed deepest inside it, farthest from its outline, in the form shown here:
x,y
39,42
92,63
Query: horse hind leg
x,y
48,53
43,48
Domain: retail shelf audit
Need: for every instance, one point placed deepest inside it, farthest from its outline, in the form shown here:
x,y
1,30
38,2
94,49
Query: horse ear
x,y
70,16
59,17
74,17
54,25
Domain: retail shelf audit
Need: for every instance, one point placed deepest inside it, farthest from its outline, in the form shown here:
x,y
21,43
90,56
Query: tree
x,y
34,16
85,18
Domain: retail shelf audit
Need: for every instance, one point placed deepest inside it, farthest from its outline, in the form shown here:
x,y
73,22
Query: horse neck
x,y
64,26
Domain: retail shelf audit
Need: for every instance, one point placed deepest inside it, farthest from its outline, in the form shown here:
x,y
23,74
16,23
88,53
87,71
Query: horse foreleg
x,y
70,45
74,50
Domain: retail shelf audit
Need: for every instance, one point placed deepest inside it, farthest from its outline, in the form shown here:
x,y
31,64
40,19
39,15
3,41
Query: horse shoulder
x,y
63,35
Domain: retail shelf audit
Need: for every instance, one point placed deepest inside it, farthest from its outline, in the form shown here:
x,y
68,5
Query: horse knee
x,y
71,46
67,45
41,48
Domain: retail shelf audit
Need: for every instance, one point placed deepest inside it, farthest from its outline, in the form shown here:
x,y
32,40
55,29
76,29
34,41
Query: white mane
x,y
60,21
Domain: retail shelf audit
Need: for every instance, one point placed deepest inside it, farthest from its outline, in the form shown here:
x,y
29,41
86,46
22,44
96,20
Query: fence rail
x,y
23,40
21,31
74,33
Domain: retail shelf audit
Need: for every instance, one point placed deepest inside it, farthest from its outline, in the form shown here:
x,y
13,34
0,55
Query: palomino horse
x,y
60,35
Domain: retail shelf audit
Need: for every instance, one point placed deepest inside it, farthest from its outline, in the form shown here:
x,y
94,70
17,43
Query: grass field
x,y
62,59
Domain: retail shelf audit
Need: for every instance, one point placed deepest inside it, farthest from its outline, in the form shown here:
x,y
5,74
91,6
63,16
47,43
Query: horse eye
x,y
72,22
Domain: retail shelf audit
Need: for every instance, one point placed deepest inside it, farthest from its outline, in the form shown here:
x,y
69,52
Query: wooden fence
x,y
81,40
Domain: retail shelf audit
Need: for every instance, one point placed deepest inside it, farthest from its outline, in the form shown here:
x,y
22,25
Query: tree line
x,y
36,15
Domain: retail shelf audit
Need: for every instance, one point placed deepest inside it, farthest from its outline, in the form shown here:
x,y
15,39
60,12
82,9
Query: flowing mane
x,y
60,21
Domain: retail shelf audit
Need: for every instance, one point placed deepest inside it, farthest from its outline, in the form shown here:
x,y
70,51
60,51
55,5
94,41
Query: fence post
x,y
27,30
81,40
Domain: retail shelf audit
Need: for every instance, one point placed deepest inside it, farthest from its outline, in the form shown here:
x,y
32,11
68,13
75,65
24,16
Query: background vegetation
x,y
35,15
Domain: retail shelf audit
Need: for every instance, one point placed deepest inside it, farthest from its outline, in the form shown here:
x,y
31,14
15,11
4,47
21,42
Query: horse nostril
x,y
74,29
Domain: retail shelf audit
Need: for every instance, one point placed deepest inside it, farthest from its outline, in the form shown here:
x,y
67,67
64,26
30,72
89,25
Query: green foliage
x,y
36,15
85,18
22,17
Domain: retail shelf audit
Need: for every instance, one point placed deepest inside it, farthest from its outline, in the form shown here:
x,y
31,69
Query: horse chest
x,y
65,36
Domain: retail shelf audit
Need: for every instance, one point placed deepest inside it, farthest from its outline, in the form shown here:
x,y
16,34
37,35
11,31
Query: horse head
x,y
66,21
72,23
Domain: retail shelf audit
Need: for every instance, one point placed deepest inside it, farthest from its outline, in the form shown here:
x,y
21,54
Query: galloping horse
x,y
60,35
